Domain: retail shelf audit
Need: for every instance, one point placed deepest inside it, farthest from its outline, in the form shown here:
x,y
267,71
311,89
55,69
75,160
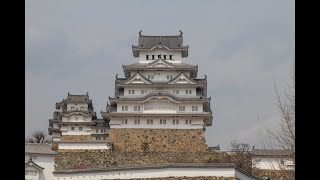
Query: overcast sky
x,y
79,46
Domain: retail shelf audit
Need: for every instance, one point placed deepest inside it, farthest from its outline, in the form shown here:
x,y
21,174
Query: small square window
x,y
194,108
149,121
163,121
72,128
137,121
182,108
80,128
96,138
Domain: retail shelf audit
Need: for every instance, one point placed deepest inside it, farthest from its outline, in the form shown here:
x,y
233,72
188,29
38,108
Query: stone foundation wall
x,y
274,174
158,140
76,137
54,146
74,159
190,178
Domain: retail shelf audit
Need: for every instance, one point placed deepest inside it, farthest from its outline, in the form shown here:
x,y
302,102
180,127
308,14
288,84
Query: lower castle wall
x,y
274,174
54,146
158,140
76,138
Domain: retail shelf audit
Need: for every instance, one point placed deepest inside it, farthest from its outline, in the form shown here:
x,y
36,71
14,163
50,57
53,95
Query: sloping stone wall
x,y
190,178
78,159
54,146
274,174
76,138
158,140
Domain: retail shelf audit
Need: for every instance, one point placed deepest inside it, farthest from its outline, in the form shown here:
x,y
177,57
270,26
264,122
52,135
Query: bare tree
x,y
38,137
241,155
283,137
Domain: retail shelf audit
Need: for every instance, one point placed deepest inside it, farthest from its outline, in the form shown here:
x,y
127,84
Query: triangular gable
x,y
182,79
159,63
33,164
137,79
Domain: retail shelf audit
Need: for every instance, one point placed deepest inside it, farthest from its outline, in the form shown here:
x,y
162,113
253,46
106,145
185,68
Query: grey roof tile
x,y
270,152
34,148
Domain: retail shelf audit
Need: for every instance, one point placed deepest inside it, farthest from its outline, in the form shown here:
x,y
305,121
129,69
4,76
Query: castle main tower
x,y
160,104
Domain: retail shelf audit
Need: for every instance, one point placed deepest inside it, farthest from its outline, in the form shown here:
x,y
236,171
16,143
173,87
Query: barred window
x,y
182,108
194,108
137,121
163,121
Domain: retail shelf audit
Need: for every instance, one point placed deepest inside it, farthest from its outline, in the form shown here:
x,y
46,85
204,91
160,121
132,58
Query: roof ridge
x,y
160,36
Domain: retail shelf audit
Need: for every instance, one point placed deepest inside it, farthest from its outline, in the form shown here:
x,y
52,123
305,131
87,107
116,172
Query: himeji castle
x,y
160,97
153,126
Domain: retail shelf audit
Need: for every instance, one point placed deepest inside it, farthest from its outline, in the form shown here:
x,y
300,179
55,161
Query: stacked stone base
x,y
158,140
76,138
54,146
274,174
190,178
83,159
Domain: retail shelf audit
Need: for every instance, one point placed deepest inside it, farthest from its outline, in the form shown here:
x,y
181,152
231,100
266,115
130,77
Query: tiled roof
x,y
171,42
270,152
31,163
35,148
163,94
144,65
214,148
78,98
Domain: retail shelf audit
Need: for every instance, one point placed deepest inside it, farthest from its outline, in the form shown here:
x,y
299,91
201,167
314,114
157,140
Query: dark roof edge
x,y
34,164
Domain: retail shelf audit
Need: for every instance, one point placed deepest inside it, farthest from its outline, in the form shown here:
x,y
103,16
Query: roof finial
x,y
205,76
87,94
68,93
181,33
140,33
117,76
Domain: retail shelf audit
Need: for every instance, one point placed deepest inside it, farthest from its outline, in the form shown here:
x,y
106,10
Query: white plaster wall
x,y
189,172
55,125
83,146
172,107
73,118
160,76
137,92
197,123
47,163
76,106
56,138
270,163
66,129
242,176
177,55
32,177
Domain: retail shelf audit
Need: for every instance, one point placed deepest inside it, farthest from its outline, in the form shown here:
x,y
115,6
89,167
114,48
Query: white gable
x,y
137,79
160,63
182,79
